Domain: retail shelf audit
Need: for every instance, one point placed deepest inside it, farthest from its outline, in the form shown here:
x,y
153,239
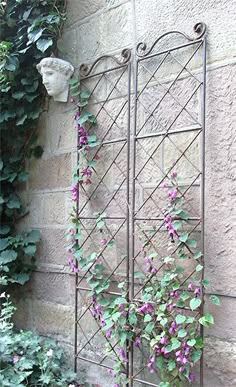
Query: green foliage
x,y
28,360
28,33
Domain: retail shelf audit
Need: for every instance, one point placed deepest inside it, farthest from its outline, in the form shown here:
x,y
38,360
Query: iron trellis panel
x,y
108,195
168,136
169,122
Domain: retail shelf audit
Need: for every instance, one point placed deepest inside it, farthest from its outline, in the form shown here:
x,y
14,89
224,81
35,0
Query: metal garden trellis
x,y
168,106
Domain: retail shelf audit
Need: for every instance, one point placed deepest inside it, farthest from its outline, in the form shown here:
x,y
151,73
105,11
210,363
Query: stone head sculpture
x,y
56,74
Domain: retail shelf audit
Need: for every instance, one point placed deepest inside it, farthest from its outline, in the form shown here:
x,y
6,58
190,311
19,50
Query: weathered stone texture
x,y
104,33
51,173
220,358
101,27
220,180
165,15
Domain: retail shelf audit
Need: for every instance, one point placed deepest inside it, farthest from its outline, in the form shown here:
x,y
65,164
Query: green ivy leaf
x,y
14,202
21,120
196,356
149,327
147,318
180,319
195,303
191,243
18,94
183,238
4,243
177,224
30,250
4,230
43,44
199,267
7,256
191,342
182,333
33,236
215,300
197,255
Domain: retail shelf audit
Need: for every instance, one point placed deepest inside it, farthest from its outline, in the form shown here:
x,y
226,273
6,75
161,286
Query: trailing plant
x,y
27,359
29,31
166,317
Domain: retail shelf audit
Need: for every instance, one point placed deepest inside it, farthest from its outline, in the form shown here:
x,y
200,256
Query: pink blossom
x,y
15,358
163,340
172,194
190,287
104,242
137,342
87,172
197,292
164,184
146,308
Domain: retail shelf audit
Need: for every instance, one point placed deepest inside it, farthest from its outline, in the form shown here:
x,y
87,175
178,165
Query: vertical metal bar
x,y
203,119
133,210
76,274
128,211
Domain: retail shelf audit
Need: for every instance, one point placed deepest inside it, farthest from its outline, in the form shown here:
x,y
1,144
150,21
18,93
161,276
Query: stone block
x,y
60,132
68,47
220,180
225,325
108,32
79,10
51,248
219,358
49,287
53,211
54,320
182,15
50,173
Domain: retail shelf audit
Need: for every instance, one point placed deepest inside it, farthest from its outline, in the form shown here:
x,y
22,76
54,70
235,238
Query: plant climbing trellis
x,y
146,137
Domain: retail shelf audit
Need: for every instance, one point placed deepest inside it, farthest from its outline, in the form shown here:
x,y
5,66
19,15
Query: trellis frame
x,y
131,218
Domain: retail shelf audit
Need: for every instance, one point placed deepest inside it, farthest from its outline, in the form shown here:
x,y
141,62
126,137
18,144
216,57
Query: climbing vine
x,y
29,31
166,318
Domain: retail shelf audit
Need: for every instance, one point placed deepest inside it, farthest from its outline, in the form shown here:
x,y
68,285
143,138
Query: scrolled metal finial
x,y
141,48
84,70
126,55
200,29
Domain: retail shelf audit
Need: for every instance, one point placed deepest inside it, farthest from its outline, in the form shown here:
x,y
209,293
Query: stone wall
x,y
93,28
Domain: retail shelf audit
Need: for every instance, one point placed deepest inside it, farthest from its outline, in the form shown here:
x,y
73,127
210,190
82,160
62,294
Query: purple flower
x,y
108,333
15,358
146,308
172,194
181,369
191,377
104,242
172,331
154,270
75,193
190,287
164,340
123,354
87,172
174,175
197,292
83,140
137,342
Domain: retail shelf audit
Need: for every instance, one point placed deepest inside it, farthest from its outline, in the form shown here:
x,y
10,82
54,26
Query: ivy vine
x,y
28,32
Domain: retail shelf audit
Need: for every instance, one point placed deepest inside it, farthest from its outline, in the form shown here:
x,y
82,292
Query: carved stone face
x,y
56,74
56,83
